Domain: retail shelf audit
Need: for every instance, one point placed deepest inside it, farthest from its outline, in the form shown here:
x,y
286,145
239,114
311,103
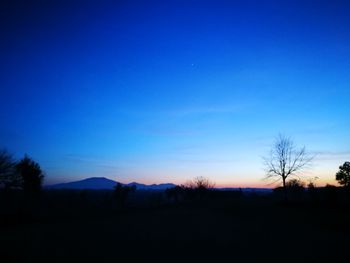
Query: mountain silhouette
x,y
102,183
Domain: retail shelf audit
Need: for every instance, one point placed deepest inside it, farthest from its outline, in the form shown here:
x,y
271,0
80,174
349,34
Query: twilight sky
x,y
165,91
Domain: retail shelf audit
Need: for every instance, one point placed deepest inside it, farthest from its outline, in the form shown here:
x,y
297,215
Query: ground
x,y
242,230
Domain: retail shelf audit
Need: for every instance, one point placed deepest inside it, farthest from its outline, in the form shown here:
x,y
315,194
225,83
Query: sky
x,y
164,91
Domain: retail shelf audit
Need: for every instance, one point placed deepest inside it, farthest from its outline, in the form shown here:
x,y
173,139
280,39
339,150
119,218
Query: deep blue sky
x,y
165,91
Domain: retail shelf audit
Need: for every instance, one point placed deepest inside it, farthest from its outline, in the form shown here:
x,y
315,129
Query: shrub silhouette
x,y
311,186
295,185
175,194
295,188
121,192
199,187
200,183
31,175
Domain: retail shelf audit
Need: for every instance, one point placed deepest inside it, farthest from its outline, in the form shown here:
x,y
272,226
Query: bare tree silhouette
x,y
285,160
8,176
200,183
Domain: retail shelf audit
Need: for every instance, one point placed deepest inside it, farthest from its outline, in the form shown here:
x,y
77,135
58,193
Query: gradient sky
x,y
165,91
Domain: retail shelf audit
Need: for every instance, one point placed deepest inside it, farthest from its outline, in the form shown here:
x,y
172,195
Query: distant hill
x,y
151,186
102,183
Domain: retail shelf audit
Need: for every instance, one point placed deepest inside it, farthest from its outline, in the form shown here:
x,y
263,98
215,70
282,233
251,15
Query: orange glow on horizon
x,y
238,184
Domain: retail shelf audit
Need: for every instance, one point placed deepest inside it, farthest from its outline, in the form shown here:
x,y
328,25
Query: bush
x,y
121,193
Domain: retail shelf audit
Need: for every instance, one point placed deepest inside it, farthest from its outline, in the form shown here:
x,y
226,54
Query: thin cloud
x,y
189,111
91,161
331,155
206,110
204,160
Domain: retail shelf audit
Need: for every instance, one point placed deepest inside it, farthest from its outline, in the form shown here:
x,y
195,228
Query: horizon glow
x,y
162,92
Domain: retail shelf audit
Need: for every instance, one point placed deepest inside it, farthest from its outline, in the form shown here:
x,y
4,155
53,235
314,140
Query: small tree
x,y
343,175
31,174
285,160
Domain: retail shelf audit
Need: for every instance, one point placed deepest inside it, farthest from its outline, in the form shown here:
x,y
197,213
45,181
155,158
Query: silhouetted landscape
x,y
193,221
174,131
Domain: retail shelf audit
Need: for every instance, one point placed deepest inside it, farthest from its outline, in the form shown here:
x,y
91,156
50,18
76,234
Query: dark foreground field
x,y
245,229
